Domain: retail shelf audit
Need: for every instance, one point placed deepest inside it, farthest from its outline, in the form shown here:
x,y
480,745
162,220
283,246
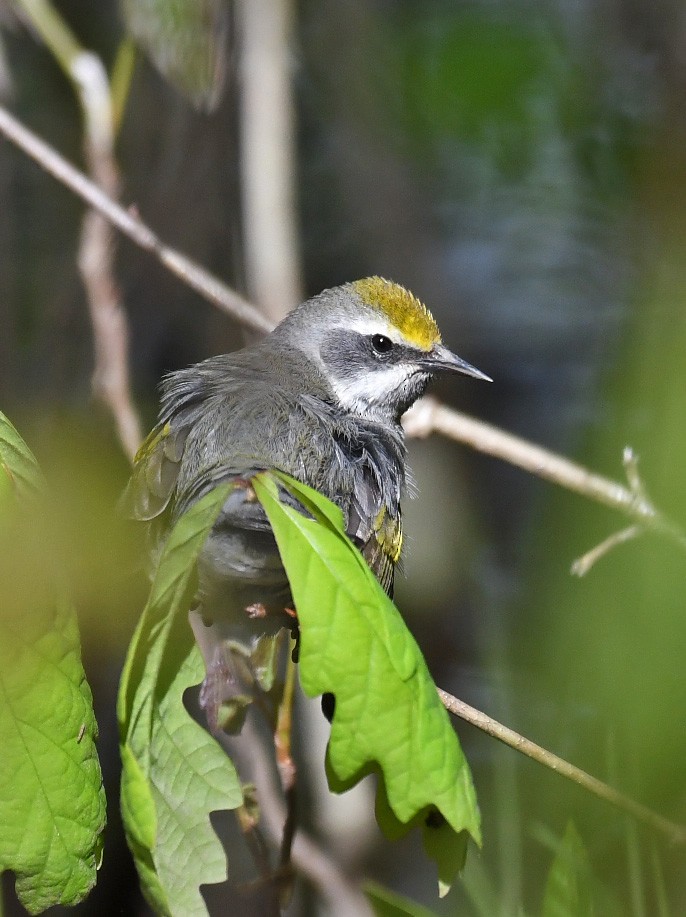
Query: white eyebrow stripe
x,y
370,325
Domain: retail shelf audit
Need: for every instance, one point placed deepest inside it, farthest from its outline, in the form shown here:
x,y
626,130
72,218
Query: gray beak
x,y
441,359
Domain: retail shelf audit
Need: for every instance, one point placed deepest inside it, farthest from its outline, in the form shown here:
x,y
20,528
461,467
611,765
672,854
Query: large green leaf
x,y
174,772
17,462
354,644
52,804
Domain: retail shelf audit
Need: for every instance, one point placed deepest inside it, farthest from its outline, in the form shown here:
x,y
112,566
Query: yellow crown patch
x,y
402,308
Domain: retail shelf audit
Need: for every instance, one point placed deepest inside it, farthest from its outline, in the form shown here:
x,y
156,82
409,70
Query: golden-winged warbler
x,y
319,398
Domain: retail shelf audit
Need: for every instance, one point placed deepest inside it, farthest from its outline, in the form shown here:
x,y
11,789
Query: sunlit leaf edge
x,y
460,809
144,718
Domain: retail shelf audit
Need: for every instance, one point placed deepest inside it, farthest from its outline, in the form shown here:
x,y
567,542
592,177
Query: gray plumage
x,y
320,399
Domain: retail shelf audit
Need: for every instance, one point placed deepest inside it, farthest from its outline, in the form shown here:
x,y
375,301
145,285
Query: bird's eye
x,y
381,343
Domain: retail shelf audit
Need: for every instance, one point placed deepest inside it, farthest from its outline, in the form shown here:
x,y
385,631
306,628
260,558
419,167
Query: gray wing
x,y
214,428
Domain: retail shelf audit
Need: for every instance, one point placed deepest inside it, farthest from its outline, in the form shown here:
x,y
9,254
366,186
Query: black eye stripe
x,y
381,343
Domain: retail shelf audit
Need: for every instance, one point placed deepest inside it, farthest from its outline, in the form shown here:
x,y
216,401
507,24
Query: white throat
x,y
373,395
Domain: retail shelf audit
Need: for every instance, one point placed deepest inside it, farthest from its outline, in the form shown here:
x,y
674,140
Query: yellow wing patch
x,y
389,535
402,308
147,447
156,468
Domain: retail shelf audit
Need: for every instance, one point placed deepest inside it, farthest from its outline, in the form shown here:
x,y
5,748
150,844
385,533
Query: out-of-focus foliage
x,y
387,904
568,889
610,647
52,804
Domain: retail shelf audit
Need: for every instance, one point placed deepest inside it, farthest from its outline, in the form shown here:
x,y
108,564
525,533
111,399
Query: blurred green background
x,y
521,168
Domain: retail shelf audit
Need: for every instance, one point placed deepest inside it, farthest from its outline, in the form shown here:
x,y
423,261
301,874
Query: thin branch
x,y
191,273
284,759
311,861
583,564
96,257
429,416
87,74
675,832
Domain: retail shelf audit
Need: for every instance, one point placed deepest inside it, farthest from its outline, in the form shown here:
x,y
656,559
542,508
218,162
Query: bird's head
x,y
376,344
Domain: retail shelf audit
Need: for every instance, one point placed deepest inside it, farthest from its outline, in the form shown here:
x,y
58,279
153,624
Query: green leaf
x,y
388,904
354,643
52,804
186,41
568,891
17,462
174,773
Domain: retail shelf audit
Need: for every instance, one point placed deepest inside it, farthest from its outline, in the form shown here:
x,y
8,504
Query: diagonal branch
x,y
127,222
430,416
675,832
89,80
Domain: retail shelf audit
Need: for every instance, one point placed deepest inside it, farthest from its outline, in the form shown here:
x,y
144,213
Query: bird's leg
x,y
225,692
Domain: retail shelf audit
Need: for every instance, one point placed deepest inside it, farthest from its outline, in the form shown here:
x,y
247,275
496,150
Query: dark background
x,y
522,169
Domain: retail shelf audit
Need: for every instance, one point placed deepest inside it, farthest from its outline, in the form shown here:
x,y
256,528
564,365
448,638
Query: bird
x,y
320,398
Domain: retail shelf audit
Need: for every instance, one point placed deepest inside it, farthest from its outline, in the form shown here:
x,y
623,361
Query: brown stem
x,y
191,273
429,416
88,77
285,762
309,858
675,832
583,564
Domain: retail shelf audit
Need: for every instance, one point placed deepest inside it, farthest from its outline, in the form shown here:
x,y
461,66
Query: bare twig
x,y
96,258
110,330
582,565
285,762
96,250
191,273
675,832
309,858
429,416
